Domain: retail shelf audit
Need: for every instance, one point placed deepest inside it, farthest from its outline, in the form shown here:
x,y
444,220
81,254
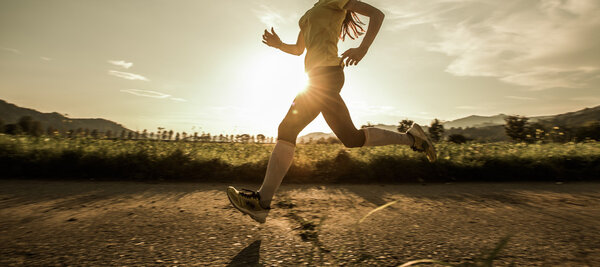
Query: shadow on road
x,y
249,256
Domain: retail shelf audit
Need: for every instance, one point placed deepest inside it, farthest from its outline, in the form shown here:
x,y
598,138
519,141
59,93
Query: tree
x,y
94,133
26,123
589,131
108,134
457,138
79,132
260,138
170,134
243,138
1,126
50,131
535,132
13,129
36,129
368,125
515,127
404,125
436,130
123,134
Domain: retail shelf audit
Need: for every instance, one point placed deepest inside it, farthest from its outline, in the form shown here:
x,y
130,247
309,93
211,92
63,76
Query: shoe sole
x,y
429,149
245,211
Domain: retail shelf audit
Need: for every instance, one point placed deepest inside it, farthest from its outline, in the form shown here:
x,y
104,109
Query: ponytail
x,y
351,26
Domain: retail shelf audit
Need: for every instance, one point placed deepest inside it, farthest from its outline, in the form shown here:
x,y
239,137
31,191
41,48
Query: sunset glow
x,y
196,64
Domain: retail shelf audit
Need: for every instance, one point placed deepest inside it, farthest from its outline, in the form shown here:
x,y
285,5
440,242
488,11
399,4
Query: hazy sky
x,y
200,65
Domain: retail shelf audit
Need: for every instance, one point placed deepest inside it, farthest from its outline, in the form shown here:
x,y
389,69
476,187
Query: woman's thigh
x,y
305,108
338,118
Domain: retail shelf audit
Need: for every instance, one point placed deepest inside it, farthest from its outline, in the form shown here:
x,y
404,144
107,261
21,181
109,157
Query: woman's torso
x,y
321,27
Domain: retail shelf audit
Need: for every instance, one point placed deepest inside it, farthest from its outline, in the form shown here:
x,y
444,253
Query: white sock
x,y
380,137
279,163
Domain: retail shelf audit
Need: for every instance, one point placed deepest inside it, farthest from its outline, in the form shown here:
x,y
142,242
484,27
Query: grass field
x,y
30,157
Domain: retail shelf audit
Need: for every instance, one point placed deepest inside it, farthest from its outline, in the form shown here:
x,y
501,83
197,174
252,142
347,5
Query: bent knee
x,y
355,140
287,133
352,144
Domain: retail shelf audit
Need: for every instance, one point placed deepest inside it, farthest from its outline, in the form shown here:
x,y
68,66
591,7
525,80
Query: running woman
x,y
320,28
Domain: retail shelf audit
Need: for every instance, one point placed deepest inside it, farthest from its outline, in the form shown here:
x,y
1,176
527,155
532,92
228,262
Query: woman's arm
x,y
355,55
272,39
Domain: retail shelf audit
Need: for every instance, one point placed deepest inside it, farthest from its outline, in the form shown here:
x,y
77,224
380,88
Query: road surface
x,y
58,223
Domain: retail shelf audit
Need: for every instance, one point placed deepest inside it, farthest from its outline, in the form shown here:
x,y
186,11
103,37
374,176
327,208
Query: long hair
x,y
351,26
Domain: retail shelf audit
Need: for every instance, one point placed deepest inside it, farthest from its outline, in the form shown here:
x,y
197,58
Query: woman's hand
x,y
272,39
353,55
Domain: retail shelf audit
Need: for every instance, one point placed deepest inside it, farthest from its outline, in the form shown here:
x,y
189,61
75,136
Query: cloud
x,y
588,99
45,58
11,50
152,94
271,16
467,107
520,97
367,112
146,93
127,75
121,63
538,44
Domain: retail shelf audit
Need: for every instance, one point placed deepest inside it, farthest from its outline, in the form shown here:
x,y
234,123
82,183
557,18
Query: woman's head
x,y
351,26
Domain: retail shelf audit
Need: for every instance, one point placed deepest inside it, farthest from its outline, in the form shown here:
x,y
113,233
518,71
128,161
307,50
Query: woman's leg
x,y
337,116
304,110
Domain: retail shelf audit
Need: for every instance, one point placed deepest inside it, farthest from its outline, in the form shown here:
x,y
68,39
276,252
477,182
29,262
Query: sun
x,y
266,84
274,73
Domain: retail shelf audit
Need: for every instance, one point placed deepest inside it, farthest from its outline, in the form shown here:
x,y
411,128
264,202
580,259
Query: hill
x,y
10,113
574,119
476,121
314,137
491,128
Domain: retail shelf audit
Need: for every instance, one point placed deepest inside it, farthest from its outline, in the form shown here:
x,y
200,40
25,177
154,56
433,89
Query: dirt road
x,y
187,224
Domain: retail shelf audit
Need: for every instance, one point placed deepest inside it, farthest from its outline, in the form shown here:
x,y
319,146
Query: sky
x,y
200,66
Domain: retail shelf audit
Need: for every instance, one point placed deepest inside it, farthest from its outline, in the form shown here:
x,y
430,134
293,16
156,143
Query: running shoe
x,y
248,202
422,142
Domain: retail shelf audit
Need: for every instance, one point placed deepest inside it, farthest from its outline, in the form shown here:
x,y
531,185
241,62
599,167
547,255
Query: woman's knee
x,y
287,132
354,139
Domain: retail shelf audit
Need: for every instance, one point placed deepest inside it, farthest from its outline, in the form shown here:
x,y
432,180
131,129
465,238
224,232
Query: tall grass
x,y
30,157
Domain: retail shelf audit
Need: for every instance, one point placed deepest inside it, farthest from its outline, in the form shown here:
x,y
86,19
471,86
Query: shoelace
x,y
249,193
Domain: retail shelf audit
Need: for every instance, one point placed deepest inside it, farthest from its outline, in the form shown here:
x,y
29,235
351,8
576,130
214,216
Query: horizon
x,y
149,64
304,133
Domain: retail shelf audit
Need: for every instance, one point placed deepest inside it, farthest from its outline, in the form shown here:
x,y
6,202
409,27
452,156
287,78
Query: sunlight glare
x,y
266,86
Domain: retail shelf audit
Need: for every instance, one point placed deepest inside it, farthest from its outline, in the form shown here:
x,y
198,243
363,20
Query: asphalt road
x,y
58,223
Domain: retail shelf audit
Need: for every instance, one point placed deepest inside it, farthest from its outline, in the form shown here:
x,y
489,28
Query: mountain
x,y
314,137
10,113
476,121
574,119
491,128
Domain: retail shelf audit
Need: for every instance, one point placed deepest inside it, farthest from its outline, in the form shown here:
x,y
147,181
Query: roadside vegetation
x,y
26,156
